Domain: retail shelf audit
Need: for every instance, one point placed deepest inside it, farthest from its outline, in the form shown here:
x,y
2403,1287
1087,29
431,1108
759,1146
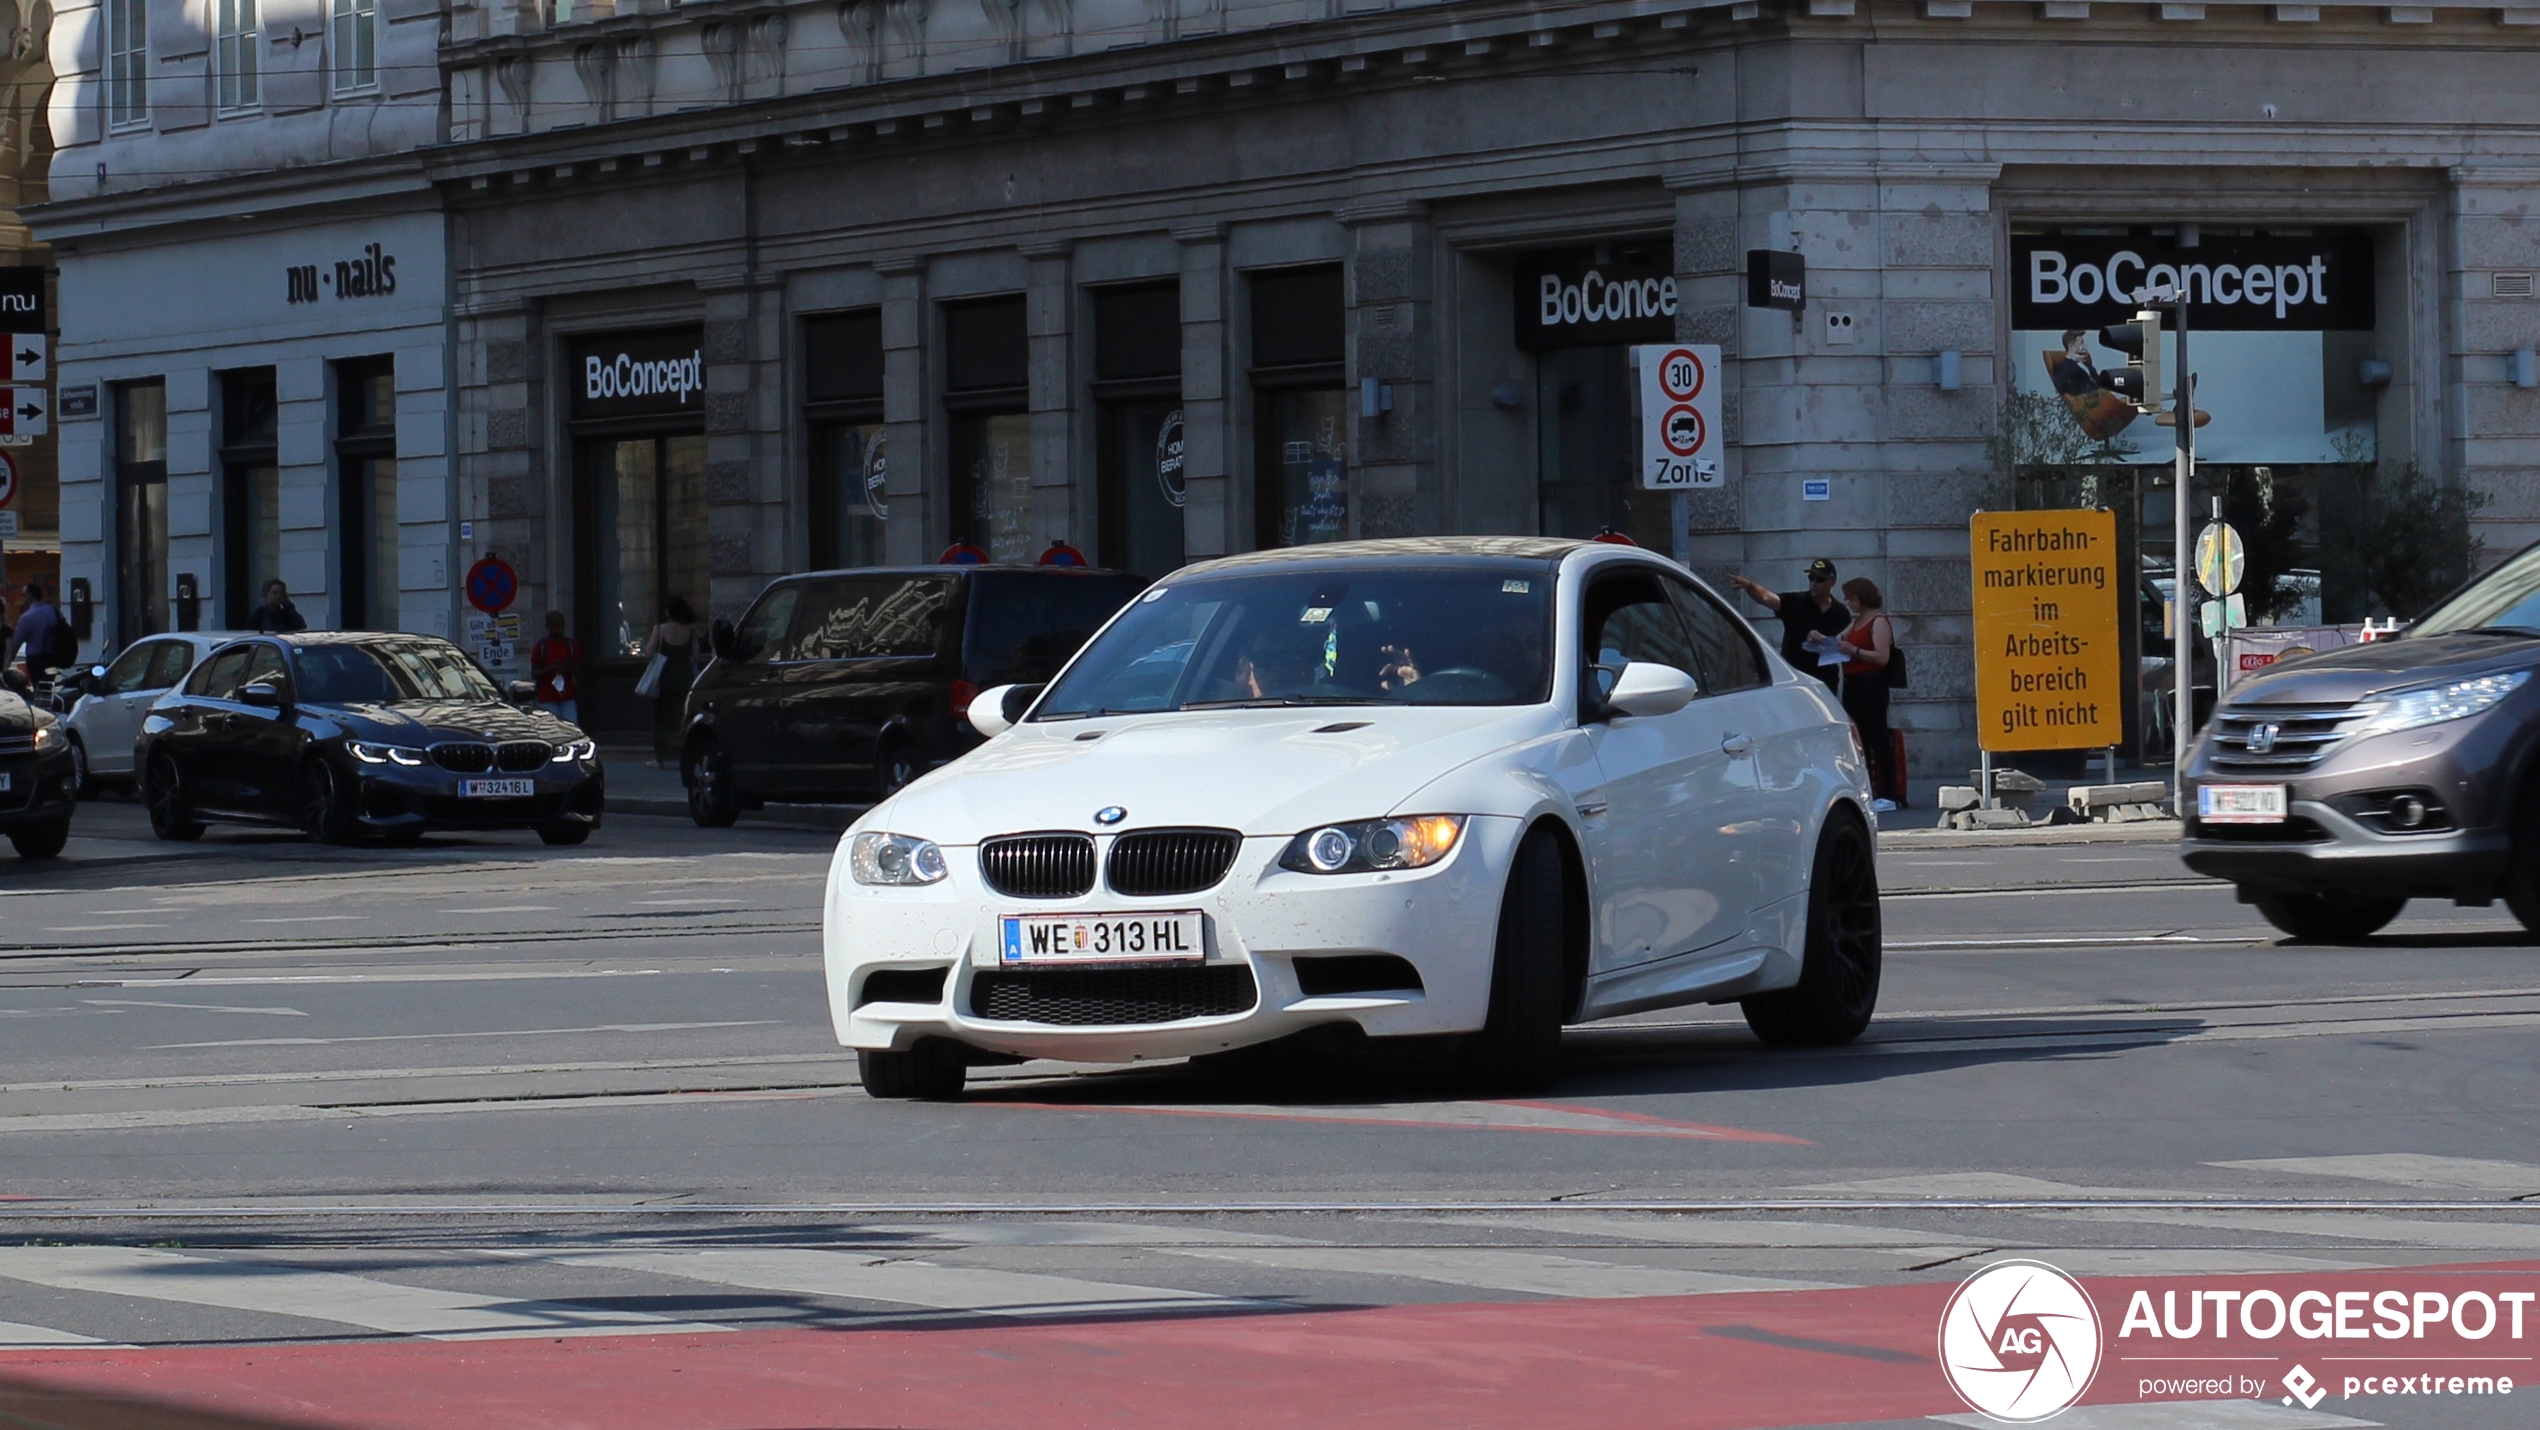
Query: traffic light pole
x,y
2183,644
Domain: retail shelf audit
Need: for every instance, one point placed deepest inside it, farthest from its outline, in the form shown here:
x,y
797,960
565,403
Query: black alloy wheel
x,y
326,808
895,766
1518,1049
933,1070
712,802
83,784
42,841
1838,987
2327,918
163,790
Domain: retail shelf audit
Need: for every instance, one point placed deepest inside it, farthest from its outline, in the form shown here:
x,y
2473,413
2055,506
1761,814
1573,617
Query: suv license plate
x,y
497,789
1144,937
2240,804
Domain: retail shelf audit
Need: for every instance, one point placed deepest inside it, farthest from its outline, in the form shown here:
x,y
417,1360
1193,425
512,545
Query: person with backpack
x,y
1872,664
45,641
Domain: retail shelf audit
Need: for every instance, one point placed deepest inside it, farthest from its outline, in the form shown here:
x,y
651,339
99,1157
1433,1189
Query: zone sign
x,y
1679,415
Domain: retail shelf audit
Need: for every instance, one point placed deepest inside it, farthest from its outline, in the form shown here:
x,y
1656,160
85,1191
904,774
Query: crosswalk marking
x,y
855,1277
315,1295
16,1336
2407,1169
1529,1272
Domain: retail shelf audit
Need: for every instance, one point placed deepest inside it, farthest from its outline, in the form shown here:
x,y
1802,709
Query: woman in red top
x,y
1867,648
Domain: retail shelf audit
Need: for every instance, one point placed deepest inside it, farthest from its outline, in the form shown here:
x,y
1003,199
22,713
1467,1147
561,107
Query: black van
x,y
842,686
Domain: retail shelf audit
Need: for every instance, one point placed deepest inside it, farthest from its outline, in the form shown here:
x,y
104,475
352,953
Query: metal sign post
x,y
2182,639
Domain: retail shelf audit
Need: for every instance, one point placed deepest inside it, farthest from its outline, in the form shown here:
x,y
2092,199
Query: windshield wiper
x,y
1272,702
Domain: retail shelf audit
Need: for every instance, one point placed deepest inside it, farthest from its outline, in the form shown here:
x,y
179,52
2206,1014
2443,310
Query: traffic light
x,y
2139,381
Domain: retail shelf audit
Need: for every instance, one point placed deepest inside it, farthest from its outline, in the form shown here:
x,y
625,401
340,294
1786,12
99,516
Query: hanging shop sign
x,y
1572,298
656,374
2315,282
1775,279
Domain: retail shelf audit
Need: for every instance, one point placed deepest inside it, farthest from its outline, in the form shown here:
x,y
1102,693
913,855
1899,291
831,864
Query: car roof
x,y
950,569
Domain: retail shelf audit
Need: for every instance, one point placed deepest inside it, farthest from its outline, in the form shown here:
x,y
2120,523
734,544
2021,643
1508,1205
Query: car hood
x,y
17,716
2359,672
1262,772
422,721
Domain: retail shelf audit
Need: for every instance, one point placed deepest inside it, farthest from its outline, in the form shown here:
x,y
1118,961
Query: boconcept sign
x,y
1595,298
2282,282
639,374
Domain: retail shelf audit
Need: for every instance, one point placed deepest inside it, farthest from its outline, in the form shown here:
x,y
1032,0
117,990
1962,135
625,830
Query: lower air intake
x,y
1112,997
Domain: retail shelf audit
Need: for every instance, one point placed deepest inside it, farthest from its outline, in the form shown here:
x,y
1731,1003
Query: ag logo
x,y
2020,1341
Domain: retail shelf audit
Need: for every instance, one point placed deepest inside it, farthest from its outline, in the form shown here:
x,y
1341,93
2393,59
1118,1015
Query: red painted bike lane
x,y
1729,1362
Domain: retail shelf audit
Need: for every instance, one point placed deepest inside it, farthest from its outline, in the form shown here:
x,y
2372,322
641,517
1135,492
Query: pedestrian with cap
x,y
1813,612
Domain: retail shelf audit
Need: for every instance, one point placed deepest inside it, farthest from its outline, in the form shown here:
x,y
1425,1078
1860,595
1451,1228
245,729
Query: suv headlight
x,y
48,737
572,750
1370,845
876,858
2434,704
370,754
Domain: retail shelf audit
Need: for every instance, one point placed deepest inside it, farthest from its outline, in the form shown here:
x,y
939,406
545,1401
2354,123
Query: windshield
x,y
2508,596
1462,633
383,672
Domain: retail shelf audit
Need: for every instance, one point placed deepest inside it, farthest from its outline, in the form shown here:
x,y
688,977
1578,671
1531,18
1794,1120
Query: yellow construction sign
x,y
2046,603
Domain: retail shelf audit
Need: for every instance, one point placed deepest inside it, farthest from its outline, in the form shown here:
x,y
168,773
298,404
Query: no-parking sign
x,y
1680,415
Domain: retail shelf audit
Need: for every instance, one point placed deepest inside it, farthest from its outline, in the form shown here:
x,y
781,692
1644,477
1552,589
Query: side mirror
x,y
723,640
1648,688
995,710
97,672
520,692
262,694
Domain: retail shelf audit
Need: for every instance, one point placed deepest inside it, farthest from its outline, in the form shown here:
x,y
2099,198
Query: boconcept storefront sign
x,y
2309,282
1614,296
639,375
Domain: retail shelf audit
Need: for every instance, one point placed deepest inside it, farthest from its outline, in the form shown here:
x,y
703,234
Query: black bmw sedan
x,y
346,735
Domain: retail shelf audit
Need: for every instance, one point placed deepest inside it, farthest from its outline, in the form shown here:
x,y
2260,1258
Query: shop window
x,y
234,59
356,42
647,505
637,409
141,509
1300,408
1140,480
842,401
250,491
987,399
127,62
366,494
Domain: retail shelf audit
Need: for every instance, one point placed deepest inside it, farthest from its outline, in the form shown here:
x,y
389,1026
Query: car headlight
x,y
48,737
573,750
370,754
876,858
2434,704
1370,845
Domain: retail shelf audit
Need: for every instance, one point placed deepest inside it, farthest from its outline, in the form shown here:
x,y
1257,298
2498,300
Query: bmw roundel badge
x,y
1110,814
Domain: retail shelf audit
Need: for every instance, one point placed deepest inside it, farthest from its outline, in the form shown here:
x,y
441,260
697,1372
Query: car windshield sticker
x,y
1515,588
1314,615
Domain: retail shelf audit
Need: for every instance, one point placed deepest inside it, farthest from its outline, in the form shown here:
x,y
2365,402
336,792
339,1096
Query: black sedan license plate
x,y
497,789
1142,937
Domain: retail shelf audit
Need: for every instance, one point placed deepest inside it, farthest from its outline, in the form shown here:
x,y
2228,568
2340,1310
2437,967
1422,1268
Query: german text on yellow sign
x,y
2046,604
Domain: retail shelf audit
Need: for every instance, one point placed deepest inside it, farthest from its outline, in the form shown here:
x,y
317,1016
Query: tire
x,y
1838,987
711,798
326,815
932,1070
163,790
83,783
564,832
2521,888
2329,918
41,841
895,767
1518,1049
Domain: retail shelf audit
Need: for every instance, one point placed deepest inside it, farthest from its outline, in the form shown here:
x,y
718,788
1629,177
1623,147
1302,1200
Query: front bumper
x,y
425,797
39,789
1259,921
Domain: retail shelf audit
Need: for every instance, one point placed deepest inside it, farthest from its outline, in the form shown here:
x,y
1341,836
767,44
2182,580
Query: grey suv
x,y
2336,787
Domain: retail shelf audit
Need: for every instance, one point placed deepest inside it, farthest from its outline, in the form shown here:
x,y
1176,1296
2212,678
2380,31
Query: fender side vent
x,y
1356,973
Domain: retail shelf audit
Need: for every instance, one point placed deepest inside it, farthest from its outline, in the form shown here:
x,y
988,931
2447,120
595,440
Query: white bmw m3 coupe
x,y
1465,786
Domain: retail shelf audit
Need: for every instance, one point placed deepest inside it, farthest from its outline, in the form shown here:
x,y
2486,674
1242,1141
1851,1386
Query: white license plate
x,y
497,789
1145,937
2240,804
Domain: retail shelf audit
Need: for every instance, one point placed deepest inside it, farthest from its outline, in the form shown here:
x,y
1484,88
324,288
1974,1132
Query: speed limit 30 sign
x,y
1680,415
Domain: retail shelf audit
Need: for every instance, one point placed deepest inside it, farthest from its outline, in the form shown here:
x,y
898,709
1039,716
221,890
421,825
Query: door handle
x,y
1590,809
1736,744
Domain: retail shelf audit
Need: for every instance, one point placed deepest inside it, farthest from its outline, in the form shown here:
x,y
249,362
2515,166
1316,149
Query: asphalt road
x,y
257,1094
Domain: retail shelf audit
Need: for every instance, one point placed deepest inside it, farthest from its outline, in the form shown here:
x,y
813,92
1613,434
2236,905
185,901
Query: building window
x,y
842,403
235,60
141,509
1139,482
987,399
250,493
1300,407
127,62
356,45
366,494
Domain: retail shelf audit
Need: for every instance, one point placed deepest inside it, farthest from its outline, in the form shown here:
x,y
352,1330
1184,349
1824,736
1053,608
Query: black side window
x,y
764,629
169,665
220,677
870,617
1629,617
1724,644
